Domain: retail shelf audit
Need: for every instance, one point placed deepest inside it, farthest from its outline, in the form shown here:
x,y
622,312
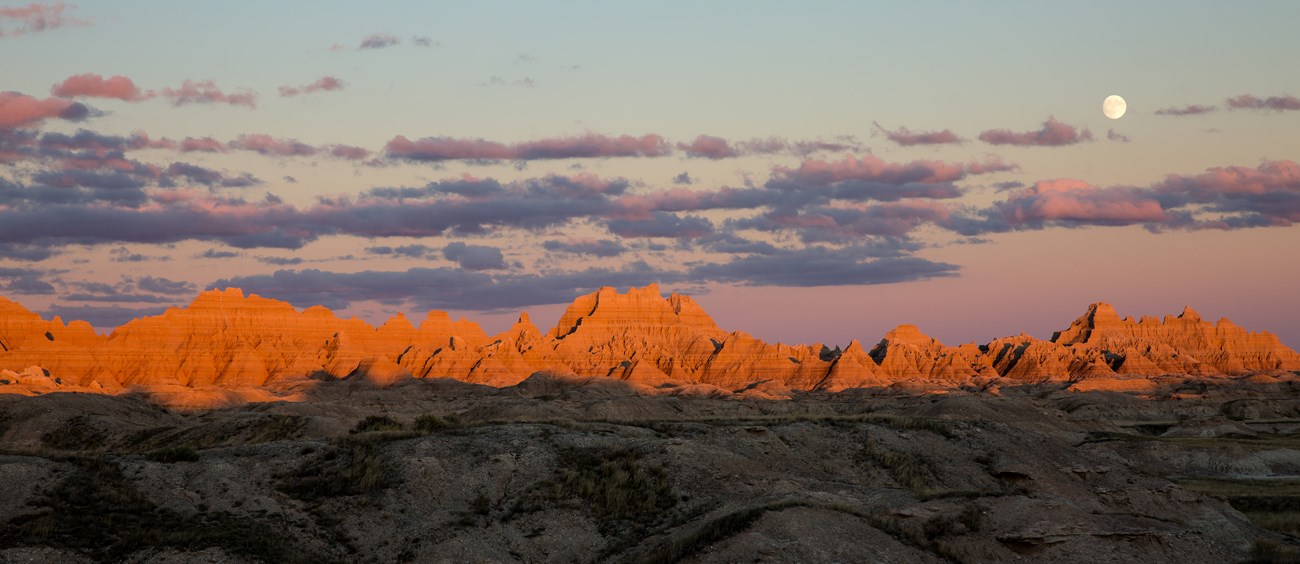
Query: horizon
x,y
803,180
498,326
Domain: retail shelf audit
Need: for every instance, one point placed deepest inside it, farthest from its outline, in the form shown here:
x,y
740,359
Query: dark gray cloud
x,y
410,251
474,257
166,286
103,317
662,224
596,248
280,261
819,266
440,288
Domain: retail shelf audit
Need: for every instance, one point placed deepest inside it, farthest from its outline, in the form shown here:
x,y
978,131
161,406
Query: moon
x,y
1114,107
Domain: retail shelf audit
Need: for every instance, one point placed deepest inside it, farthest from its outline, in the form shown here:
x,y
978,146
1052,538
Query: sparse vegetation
x,y
612,484
377,423
432,423
78,433
97,511
713,531
910,471
169,455
1272,552
1270,504
350,468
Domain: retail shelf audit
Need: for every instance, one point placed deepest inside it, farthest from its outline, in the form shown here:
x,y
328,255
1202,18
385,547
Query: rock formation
x,y
227,345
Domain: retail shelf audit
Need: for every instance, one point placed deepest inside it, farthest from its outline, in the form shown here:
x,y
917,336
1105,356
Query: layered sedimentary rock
x,y
228,345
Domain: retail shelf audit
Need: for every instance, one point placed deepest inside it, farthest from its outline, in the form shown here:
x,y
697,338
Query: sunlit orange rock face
x,y
227,348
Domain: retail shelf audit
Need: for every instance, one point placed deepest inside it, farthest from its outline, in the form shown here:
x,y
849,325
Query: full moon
x,y
1114,107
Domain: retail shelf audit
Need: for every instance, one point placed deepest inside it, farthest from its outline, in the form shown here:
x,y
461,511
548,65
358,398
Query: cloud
x,y
603,248
207,92
20,110
378,41
1267,195
102,316
716,148
591,145
662,224
1053,134
907,138
683,179
91,85
1189,110
1074,202
160,285
280,261
440,288
202,145
474,257
324,84
216,254
348,152
27,251
408,251
37,17
709,147
1113,135
266,145
870,168
848,224
198,175
25,282
1271,103
423,41
818,266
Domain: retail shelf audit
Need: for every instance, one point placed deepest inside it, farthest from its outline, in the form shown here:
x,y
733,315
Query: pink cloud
x,y
871,168
325,84
1273,103
202,145
591,145
1076,201
907,138
1053,134
91,85
1190,110
348,152
37,17
17,110
267,145
709,147
207,92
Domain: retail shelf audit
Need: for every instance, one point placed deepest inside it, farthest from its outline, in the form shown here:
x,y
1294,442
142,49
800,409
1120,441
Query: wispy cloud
x,y
1188,110
907,138
1052,134
324,84
1270,103
37,17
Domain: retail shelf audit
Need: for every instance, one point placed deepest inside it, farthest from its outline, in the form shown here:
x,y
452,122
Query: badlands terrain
x,y
636,430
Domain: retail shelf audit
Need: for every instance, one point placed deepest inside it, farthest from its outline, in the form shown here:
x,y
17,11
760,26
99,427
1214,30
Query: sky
x,y
810,172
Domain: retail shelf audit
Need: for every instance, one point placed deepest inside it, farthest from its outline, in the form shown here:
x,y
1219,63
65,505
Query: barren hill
x,y
226,348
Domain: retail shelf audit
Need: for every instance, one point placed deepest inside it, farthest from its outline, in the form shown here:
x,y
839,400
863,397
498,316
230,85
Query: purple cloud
x,y
1053,134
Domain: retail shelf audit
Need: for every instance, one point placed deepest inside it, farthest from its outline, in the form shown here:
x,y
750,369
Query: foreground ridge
x,y
227,347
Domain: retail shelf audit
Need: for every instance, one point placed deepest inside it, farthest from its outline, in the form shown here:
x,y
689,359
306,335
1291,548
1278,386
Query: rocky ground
x,y
571,470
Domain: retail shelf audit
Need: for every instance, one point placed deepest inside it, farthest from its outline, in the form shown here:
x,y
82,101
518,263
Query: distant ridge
x,y
227,347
